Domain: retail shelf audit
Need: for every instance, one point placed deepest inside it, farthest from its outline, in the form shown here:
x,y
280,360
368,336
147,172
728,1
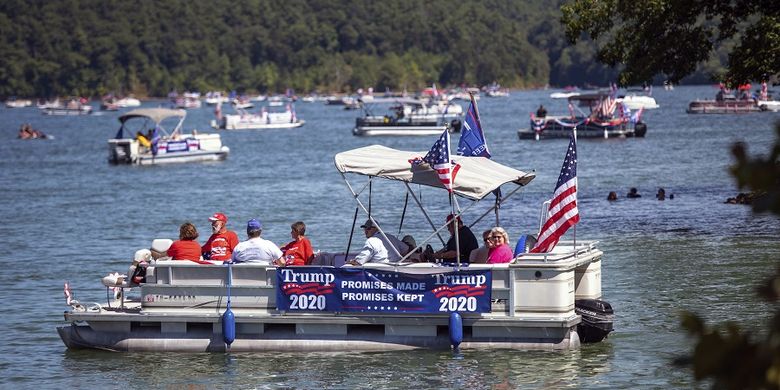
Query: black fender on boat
x,y
640,129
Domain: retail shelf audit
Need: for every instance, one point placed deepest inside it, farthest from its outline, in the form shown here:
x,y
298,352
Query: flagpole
x,y
479,123
454,219
578,185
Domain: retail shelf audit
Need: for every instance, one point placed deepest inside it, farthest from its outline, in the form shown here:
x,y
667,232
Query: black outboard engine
x,y
597,317
640,129
455,126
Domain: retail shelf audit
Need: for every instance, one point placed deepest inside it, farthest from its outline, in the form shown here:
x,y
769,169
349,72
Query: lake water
x,y
69,215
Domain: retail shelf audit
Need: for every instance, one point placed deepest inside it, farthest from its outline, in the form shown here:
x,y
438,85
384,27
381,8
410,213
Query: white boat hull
x,y
263,126
769,105
181,304
129,151
369,131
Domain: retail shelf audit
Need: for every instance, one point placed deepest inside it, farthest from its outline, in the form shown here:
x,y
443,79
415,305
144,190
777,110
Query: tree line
x,y
149,48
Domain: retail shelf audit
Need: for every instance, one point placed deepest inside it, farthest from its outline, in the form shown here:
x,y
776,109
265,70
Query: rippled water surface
x,y
68,215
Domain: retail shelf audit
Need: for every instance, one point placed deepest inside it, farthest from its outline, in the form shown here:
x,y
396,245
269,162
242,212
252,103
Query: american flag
x,y
439,159
563,212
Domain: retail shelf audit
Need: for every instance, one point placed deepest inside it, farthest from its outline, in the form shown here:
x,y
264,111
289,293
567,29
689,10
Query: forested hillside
x,y
148,48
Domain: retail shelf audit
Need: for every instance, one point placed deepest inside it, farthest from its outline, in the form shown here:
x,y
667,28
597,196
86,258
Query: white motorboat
x,y
769,105
140,145
636,102
18,103
537,301
564,95
265,119
127,102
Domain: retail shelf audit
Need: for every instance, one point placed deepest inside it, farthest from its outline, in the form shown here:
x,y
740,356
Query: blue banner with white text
x,y
328,289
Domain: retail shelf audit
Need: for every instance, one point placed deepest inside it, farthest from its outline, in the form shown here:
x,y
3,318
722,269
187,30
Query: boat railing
x,y
533,285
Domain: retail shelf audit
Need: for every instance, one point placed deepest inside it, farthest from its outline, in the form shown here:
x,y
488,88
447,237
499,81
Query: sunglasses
x,y
495,238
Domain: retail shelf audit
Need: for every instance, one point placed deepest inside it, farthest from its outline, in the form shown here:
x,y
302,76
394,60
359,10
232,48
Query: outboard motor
x,y
455,126
640,129
597,317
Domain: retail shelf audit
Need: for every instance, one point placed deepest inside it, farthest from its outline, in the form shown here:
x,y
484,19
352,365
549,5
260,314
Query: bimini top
x,y
156,114
476,178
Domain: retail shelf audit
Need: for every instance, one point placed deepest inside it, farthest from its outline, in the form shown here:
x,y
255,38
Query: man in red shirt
x,y
221,243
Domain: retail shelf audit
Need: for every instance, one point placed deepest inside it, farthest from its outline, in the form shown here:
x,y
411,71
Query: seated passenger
x,y
466,240
480,255
377,249
298,251
500,252
222,241
256,249
186,247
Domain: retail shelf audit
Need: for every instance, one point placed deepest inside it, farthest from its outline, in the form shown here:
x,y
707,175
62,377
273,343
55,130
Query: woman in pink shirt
x,y
499,252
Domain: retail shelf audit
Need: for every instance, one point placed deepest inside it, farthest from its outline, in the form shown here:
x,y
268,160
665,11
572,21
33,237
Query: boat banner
x,y
371,290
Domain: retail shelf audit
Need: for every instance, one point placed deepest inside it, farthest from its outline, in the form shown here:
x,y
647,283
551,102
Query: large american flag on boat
x,y
607,106
439,159
562,213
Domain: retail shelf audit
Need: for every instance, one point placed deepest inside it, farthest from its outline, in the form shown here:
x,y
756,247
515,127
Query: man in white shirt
x,y
377,248
256,249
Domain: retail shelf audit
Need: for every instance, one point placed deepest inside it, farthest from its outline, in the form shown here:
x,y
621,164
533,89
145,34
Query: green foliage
x,y
674,36
145,47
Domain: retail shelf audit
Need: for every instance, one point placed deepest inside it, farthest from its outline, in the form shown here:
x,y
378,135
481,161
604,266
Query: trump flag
x,y
472,140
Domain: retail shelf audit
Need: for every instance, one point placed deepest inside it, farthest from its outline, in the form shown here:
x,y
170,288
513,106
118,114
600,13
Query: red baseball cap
x,y
218,217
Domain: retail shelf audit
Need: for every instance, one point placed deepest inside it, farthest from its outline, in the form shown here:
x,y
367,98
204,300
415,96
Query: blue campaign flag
x,y
472,140
155,140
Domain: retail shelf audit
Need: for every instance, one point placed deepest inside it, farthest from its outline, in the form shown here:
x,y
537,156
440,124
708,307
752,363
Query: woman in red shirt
x,y
186,248
298,251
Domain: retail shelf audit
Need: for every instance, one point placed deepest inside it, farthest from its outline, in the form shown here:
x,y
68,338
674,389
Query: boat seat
x,y
160,247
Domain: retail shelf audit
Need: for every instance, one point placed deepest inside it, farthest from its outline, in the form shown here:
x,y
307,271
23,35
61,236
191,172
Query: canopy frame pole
x,y
403,214
503,199
455,226
362,206
427,217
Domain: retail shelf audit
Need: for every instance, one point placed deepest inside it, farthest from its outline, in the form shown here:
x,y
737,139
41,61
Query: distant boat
x,y
603,121
407,117
564,95
244,120
188,100
635,102
153,144
18,103
73,107
725,103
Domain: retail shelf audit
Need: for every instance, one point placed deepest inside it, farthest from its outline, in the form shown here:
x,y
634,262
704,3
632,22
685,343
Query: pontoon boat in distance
x,y
408,117
136,145
526,304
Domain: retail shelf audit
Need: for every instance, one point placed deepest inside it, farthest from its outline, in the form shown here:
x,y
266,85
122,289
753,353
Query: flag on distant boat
x,y
439,159
562,213
472,140
155,141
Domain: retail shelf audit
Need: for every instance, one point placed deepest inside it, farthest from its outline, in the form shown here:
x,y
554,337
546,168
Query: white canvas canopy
x,y
476,178
156,114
